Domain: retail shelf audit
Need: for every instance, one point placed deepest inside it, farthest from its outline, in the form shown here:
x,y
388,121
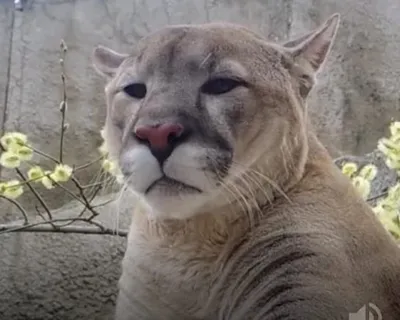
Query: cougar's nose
x,y
161,139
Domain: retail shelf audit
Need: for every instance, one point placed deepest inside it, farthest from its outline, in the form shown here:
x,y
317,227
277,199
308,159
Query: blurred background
x,y
357,95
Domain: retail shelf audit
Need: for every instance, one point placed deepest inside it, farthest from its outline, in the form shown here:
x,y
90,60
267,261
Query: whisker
x,y
116,222
260,186
235,193
268,180
255,209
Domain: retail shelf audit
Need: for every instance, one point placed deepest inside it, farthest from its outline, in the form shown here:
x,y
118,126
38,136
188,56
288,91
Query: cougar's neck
x,y
200,232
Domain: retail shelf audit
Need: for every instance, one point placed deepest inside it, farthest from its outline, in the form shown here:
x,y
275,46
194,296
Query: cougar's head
x,y
200,115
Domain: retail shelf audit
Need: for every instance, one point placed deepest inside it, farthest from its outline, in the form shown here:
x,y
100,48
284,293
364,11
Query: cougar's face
x,y
190,110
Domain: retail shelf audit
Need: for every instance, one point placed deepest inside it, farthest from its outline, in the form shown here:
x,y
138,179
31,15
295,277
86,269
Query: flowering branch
x,y
387,207
17,151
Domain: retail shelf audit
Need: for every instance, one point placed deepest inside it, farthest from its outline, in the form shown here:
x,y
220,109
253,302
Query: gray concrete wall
x,y
63,276
56,276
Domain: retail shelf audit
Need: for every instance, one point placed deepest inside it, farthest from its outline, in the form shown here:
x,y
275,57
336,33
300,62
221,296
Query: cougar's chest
x,y
172,279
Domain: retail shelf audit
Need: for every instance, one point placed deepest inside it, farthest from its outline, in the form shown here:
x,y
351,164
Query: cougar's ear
x,y
295,42
106,61
312,49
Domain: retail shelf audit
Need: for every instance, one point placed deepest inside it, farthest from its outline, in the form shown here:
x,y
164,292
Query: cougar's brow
x,y
171,52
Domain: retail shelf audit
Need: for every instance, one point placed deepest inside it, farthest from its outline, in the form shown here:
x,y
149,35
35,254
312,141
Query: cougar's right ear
x,y
295,42
107,61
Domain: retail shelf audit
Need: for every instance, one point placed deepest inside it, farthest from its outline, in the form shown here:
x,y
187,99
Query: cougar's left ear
x,y
107,61
312,49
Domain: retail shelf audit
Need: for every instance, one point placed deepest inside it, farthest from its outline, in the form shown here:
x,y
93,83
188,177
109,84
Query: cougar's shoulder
x,y
241,212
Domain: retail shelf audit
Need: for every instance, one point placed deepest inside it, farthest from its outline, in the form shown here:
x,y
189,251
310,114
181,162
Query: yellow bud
x,y
62,172
368,172
3,187
392,163
25,153
53,177
46,181
390,225
395,128
390,207
349,168
13,137
14,147
35,173
394,156
10,160
387,146
363,186
13,189
103,149
394,192
395,138
108,165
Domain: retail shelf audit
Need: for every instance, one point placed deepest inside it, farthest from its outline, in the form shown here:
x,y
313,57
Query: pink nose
x,y
160,137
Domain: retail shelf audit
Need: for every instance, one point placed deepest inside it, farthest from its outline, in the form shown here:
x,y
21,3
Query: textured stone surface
x,y
62,276
360,80
6,21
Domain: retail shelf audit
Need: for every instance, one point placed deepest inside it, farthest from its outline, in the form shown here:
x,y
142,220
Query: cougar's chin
x,y
170,187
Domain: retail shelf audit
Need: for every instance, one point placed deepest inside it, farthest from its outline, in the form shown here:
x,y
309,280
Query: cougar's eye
x,y
219,85
136,90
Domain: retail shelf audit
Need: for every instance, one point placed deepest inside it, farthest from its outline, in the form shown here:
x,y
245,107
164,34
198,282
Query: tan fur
x,y
283,235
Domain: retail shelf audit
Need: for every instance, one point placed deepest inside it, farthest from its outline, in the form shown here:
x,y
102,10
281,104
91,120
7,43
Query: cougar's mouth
x,y
170,185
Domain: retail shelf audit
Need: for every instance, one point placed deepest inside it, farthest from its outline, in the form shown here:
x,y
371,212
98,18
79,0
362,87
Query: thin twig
x,y
44,154
72,221
103,203
20,227
380,195
63,108
69,192
40,214
28,181
37,195
95,184
88,164
83,210
45,227
26,220
83,196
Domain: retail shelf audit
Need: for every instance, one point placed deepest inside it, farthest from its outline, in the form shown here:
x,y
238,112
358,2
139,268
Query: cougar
x,y
240,210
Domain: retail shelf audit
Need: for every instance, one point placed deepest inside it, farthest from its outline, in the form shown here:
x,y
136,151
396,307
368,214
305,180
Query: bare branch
x,y
69,229
21,209
88,164
380,195
37,195
63,106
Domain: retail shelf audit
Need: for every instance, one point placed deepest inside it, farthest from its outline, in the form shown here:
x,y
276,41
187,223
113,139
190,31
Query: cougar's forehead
x,y
199,47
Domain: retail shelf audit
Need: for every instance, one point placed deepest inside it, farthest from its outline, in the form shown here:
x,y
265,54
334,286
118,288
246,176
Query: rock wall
x,y
55,276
